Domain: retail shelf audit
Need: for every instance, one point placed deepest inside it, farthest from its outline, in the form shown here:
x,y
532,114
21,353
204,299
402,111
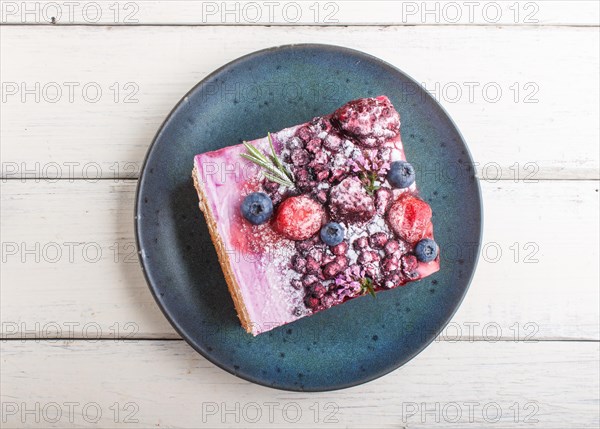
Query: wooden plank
x,y
152,67
445,12
76,274
155,383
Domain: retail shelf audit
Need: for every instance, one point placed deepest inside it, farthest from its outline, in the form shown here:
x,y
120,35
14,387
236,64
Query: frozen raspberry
x,y
270,187
304,133
328,301
367,256
312,302
302,246
316,254
391,247
392,280
299,218
299,157
301,174
321,159
378,240
327,258
350,201
295,143
332,142
342,261
322,175
318,290
383,200
313,146
298,264
337,173
361,243
370,120
331,270
322,196
409,217
390,263
372,271
312,265
296,284
340,249
309,280
409,264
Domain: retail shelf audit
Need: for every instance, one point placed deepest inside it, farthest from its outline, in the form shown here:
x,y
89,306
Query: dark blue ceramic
x,y
344,346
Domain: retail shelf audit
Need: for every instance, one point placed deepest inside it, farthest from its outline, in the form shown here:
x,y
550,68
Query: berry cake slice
x,y
316,214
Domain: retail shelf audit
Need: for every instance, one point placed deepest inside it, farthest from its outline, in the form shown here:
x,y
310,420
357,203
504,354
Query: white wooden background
x,y
83,343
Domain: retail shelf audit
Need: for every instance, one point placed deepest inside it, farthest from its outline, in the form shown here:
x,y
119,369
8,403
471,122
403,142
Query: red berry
x,y
409,217
299,218
378,240
312,302
331,270
342,261
361,243
340,249
409,263
383,199
350,201
313,145
390,263
370,120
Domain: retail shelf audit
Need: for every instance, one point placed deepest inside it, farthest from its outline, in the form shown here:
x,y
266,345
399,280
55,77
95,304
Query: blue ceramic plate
x,y
343,346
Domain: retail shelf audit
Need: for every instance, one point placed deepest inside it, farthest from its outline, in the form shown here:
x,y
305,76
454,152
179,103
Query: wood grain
x,y
552,385
153,67
142,12
80,271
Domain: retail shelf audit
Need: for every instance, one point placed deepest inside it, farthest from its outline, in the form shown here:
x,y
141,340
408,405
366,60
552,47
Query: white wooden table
x,y
86,85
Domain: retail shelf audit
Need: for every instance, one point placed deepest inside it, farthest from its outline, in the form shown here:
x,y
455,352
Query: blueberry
x,y
257,208
332,233
426,250
401,174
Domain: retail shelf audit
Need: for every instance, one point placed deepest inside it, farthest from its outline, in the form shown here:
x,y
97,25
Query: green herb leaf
x,y
275,170
366,285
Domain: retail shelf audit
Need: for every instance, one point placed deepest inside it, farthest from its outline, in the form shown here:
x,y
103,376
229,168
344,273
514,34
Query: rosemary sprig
x,y
366,286
275,171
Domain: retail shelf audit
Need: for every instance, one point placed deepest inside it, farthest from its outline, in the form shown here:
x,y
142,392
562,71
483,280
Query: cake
x,y
314,215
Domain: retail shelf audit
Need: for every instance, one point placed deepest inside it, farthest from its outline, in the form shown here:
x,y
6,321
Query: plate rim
x,y
137,225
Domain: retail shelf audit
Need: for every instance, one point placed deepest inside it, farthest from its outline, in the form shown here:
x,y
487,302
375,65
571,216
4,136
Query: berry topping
x,y
401,174
318,290
392,280
350,201
298,264
311,302
331,270
369,120
340,249
257,208
409,217
391,247
299,218
426,250
299,157
332,233
383,199
361,243
409,264
390,263
378,240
